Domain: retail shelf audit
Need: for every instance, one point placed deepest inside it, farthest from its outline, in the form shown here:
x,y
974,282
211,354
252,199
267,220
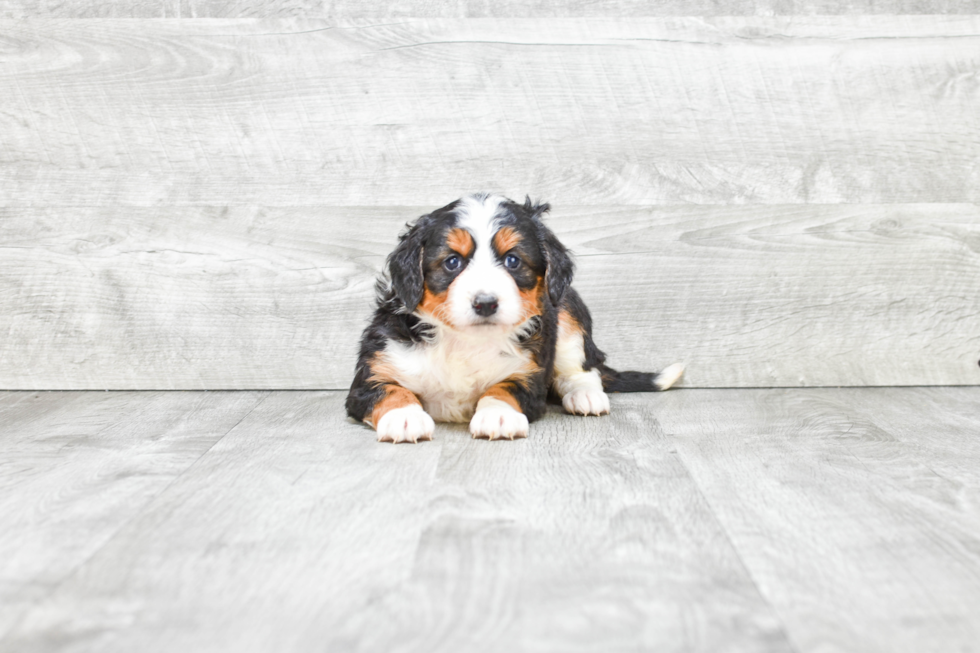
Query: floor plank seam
x,y
56,586
728,538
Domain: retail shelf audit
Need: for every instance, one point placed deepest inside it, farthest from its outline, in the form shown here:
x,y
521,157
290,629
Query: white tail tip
x,y
669,376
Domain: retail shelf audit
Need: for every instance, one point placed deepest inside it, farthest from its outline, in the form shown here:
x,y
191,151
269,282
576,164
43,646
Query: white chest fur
x,y
452,371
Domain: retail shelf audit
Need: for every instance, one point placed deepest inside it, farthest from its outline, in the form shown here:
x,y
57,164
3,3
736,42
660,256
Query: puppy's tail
x,y
613,381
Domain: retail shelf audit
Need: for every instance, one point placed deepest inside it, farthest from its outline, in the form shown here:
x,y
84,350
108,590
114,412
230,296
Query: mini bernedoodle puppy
x,y
477,321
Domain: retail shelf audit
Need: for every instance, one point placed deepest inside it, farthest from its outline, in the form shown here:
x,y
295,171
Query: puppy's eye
x,y
452,263
511,261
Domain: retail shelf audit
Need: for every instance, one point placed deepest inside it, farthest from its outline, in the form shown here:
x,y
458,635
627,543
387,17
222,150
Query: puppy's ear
x,y
405,263
561,269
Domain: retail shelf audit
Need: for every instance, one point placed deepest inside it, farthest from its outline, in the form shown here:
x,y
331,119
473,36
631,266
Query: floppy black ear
x,y
405,264
561,269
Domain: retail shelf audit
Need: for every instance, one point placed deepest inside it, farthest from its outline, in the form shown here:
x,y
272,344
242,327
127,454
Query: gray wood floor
x,y
695,520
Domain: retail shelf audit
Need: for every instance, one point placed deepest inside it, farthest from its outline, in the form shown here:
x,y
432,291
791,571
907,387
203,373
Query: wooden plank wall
x,y
199,194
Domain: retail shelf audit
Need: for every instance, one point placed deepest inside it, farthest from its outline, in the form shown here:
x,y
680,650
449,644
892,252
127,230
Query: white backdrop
x,y
203,202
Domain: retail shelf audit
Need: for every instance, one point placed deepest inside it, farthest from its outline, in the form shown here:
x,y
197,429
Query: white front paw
x,y
586,401
406,424
496,420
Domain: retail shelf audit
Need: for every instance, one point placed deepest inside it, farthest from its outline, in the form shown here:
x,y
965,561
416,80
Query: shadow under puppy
x,y
476,321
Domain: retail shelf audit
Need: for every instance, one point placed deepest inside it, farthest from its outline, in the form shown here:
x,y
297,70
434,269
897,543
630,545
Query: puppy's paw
x,y
586,401
406,424
496,420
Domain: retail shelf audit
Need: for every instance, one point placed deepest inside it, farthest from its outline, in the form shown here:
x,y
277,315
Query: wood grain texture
x,y
952,449
351,9
302,516
588,536
856,511
799,520
298,532
252,298
76,467
742,109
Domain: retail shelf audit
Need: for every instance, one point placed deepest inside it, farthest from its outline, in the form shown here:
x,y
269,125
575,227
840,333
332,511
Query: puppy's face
x,y
483,262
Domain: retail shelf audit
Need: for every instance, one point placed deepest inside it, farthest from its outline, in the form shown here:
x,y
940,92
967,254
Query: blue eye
x,y
452,263
511,261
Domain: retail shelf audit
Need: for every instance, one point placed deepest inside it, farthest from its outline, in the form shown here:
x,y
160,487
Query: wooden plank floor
x,y
695,520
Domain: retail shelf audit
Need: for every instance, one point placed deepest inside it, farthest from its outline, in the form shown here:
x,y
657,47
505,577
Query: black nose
x,y
485,305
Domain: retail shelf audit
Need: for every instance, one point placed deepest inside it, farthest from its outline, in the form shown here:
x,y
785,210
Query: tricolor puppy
x,y
477,321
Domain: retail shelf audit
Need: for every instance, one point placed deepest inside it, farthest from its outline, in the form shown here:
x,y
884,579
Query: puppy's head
x,y
481,261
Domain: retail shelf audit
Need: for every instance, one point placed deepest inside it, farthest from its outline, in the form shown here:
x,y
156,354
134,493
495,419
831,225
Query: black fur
x,y
389,323
612,380
416,252
405,265
532,395
419,258
561,268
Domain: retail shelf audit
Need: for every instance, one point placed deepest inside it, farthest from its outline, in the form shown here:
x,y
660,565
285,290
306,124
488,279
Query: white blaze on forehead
x,y
483,274
478,215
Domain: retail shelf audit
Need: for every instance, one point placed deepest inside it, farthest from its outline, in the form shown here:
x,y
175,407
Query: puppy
x,y
476,321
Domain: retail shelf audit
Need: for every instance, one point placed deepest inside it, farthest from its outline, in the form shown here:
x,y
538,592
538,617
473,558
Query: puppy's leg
x,y
376,399
499,414
580,390
398,416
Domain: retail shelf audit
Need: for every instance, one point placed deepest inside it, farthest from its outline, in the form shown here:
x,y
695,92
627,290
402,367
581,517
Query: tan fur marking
x,y
506,239
569,348
460,241
568,324
381,370
501,393
531,299
435,305
395,397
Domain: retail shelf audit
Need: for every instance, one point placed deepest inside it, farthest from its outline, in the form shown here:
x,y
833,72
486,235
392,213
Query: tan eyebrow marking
x,y
461,241
506,239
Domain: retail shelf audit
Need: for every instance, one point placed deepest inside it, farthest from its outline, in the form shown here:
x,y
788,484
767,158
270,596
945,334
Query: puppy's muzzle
x,y
485,305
